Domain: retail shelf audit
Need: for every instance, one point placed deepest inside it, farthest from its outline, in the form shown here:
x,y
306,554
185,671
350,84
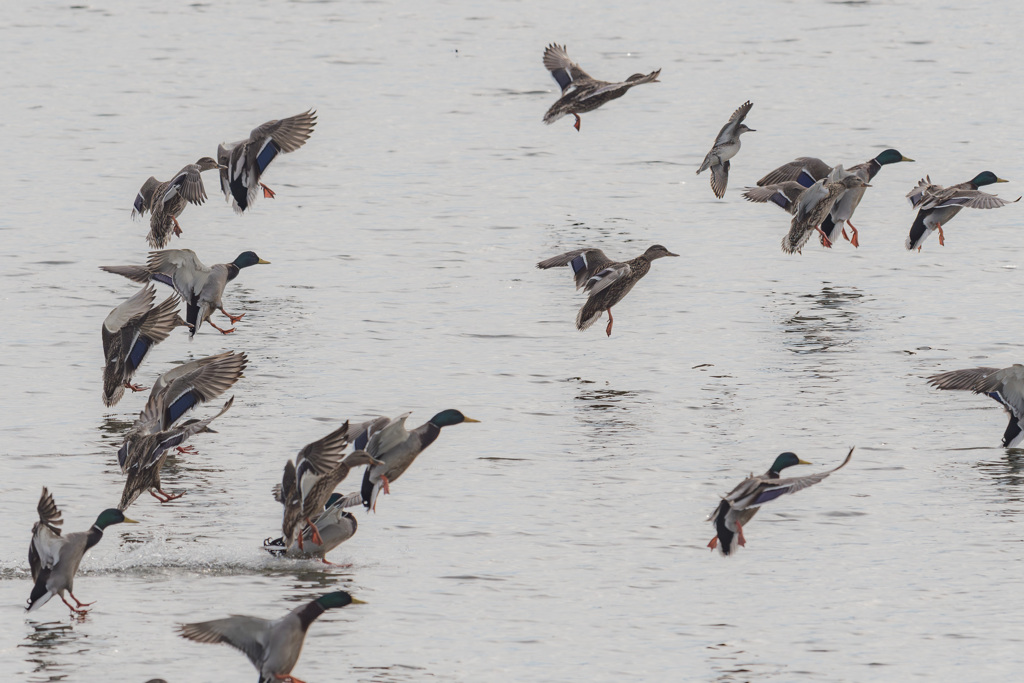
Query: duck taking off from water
x,y
727,144
805,171
201,286
1006,386
607,281
54,558
936,205
741,504
243,163
580,92
273,647
165,201
814,205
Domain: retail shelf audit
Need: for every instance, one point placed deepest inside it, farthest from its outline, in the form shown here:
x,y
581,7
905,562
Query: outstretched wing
x,y
189,184
1005,385
565,71
803,170
784,195
728,131
782,487
604,279
586,263
247,634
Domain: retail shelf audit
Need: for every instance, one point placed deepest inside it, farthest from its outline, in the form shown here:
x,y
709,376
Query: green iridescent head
x,y
447,418
246,259
111,516
785,460
337,599
986,178
890,156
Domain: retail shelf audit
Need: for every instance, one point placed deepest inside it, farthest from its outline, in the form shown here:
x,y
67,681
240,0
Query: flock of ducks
x,y
821,198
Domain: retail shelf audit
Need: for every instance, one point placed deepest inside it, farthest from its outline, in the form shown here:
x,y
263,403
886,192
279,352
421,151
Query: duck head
x,y
785,460
207,164
657,251
447,418
744,129
852,181
337,599
986,178
111,516
890,156
248,258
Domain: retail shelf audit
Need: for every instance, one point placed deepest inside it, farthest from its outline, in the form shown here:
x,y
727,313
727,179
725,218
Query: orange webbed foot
x,y
578,122
267,192
134,387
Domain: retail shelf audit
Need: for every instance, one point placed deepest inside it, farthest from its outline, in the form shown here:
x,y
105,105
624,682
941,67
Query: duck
x,y
785,195
937,205
54,558
398,447
739,506
129,332
607,281
165,201
580,92
814,205
143,455
243,163
334,526
1004,385
200,286
727,144
273,647
808,170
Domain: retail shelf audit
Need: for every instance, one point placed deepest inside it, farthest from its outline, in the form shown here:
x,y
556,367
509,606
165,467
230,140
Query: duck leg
x,y
222,331
942,240
73,609
165,497
387,489
134,387
267,192
234,318
825,241
739,528
316,532
853,239
287,678
578,121
713,543
79,602
608,330
191,450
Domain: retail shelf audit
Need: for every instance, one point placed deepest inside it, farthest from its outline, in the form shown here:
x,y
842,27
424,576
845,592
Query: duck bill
x,y
903,158
469,419
669,253
357,601
266,263
130,521
1000,180
802,462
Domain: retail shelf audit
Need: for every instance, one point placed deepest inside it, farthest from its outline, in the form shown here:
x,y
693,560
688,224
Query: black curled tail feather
x,y
367,489
39,590
918,231
726,536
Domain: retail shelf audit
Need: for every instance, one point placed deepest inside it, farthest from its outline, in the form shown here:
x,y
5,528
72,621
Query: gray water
x,y
563,538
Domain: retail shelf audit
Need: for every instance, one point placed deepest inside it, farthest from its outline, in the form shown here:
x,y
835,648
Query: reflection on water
x,y
51,650
606,413
1007,474
823,321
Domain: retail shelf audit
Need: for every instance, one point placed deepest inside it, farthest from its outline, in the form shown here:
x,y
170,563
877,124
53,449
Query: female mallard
x,y
242,163
54,558
727,144
334,525
129,332
742,503
200,286
607,281
785,195
273,647
165,201
580,92
398,447
936,204
814,205
1005,385
808,170
143,454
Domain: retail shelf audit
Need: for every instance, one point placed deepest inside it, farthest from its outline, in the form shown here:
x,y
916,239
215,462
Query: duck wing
x,y
248,634
585,263
784,195
728,132
804,170
565,71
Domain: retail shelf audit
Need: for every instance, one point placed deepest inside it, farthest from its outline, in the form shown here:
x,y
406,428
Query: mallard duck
x,y
785,195
742,503
200,286
54,558
937,205
808,170
607,281
398,447
129,332
142,456
335,526
580,92
727,144
273,647
165,201
1005,385
242,163
814,205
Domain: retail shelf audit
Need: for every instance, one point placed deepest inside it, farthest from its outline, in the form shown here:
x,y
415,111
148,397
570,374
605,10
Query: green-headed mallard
x,y
397,448
242,163
605,280
334,526
808,170
742,503
1005,385
129,332
580,92
814,205
143,454
200,286
54,558
273,647
936,205
165,201
727,144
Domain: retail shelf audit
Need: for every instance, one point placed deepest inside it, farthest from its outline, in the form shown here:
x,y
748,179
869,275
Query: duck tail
x,y
832,229
588,315
40,595
727,536
919,231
